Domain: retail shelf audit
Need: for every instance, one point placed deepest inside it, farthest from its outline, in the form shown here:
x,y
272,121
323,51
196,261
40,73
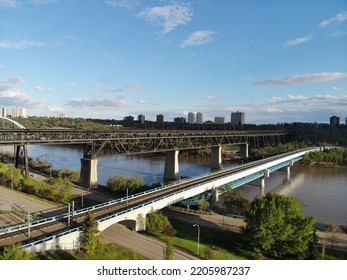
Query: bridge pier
x,y
244,150
89,172
262,188
216,158
215,195
25,159
171,171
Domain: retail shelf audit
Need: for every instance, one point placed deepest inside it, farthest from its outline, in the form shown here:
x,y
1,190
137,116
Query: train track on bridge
x,y
57,224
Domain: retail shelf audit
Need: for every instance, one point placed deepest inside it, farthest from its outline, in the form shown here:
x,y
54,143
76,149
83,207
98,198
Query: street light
x,y
196,225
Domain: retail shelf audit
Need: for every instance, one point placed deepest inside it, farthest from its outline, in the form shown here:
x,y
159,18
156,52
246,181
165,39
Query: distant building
x,y
334,121
199,118
160,118
141,119
19,112
345,120
237,118
191,117
219,120
3,112
179,120
129,120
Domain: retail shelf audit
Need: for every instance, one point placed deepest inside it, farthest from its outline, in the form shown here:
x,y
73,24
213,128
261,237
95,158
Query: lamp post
x,y
196,225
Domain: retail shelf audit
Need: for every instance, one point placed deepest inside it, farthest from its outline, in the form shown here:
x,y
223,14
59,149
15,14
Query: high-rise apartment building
x,y
219,120
237,118
199,118
3,112
160,118
19,112
334,121
179,120
191,117
141,119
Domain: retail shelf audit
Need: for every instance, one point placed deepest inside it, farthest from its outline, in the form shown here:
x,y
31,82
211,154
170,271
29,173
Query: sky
x,y
275,60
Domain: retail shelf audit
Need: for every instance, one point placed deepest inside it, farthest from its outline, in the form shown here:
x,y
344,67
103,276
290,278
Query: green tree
x,y
88,237
158,224
203,204
276,227
168,251
235,202
13,252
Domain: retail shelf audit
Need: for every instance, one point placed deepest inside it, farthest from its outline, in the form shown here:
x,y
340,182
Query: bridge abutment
x,y
216,158
89,172
215,195
244,150
171,171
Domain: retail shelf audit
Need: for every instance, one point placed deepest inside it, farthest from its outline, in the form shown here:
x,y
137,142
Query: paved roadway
x,y
144,245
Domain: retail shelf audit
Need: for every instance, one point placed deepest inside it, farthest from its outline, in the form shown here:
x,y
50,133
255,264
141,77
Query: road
x,y
144,245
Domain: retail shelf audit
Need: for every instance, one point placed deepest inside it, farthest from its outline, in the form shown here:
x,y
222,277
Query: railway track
x,y
60,223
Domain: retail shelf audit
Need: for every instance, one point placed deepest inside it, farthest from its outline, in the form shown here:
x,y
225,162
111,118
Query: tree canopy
x,y
88,236
276,227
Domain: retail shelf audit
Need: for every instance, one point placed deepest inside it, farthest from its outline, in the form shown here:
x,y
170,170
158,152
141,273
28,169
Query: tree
x,y
235,202
13,252
88,236
276,227
168,251
158,224
203,204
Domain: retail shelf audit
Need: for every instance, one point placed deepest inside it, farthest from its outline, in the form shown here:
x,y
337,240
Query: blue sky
x,y
275,60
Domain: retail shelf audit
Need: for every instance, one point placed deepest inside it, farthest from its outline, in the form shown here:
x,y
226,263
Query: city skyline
x,y
276,61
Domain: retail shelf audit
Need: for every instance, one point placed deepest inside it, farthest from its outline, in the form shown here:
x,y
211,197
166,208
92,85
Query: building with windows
x,y
191,117
141,119
199,118
334,121
179,120
3,112
19,112
160,118
237,118
219,120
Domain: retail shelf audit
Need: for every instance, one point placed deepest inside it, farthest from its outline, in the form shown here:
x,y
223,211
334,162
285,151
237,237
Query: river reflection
x,y
323,191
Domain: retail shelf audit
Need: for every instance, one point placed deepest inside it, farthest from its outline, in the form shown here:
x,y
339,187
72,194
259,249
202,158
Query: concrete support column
x,y
216,158
244,150
171,171
215,195
262,188
140,222
89,172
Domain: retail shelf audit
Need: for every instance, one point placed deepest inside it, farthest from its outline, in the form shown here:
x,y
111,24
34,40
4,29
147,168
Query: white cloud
x,y
70,84
213,97
122,4
105,88
340,17
289,99
13,96
56,109
304,79
198,38
13,80
133,86
9,3
42,2
23,44
297,41
118,102
43,89
167,17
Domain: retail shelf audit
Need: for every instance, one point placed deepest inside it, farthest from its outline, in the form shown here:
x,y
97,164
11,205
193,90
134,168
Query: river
x,y
323,191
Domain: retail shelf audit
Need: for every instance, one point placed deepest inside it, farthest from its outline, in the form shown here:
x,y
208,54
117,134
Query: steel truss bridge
x,y
105,143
